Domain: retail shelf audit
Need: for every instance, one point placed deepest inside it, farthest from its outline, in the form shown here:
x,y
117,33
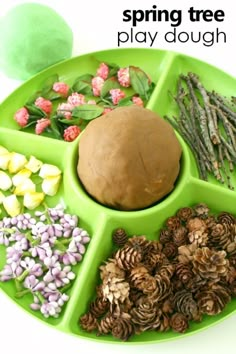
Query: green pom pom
x,y
32,37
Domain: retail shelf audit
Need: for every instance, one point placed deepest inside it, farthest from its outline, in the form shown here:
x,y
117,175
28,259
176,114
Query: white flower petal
x,y
17,162
5,181
12,205
48,170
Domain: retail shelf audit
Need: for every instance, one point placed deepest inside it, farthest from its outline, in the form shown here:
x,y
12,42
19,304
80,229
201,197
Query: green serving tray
x,y
164,68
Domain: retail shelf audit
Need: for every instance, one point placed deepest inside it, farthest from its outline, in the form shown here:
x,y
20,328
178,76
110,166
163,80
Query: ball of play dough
x,y
32,37
128,158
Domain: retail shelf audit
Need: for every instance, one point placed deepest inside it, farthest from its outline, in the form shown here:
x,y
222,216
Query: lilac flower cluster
x,y
40,253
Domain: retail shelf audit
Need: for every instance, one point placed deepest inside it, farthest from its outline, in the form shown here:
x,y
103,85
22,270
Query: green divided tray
x,y
164,68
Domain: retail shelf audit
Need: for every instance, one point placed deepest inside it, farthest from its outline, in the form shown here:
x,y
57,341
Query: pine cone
x,y
173,223
137,276
99,291
166,269
163,288
122,327
153,260
226,218
210,221
165,236
146,316
180,236
232,260
185,304
88,322
195,224
179,322
128,257
201,210
119,237
185,253
195,284
167,307
106,324
184,214
220,236
139,243
110,270
184,272
231,249
210,264
232,288
164,323
198,237
231,274
213,300
115,290
170,250
98,307
135,295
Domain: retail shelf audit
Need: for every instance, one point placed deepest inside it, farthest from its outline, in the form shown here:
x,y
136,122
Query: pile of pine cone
x,y
162,285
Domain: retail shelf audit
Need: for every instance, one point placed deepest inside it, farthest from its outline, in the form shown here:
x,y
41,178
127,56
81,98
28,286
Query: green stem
x,y
18,285
7,230
65,241
23,275
40,297
46,213
60,246
22,293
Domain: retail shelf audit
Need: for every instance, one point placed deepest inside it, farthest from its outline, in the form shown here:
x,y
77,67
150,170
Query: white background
x,y
95,25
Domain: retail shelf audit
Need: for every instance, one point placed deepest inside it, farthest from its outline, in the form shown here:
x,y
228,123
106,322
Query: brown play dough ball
x,y
128,158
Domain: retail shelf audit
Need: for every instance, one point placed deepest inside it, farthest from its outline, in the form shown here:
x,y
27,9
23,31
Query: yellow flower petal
x,y
48,170
4,160
26,186
17,162
33,199
50,185
12,205
5,181
34,164
21,176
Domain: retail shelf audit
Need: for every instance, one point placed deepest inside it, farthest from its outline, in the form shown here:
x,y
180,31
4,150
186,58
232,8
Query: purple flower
x,y
42,251
4,239
70,258
57,277
16,236
34,284
55,300
50,309
14,254
10,271
33,267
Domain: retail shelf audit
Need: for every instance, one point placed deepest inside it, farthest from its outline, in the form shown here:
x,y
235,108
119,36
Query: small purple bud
x,y
67,233
81,248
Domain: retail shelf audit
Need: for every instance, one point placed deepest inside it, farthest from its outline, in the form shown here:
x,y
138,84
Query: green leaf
x,y
113,69
76,121
108,85
32,98
83,87
139,81
87,111
85,77
48,83
35,111
51,95
56,128
127,101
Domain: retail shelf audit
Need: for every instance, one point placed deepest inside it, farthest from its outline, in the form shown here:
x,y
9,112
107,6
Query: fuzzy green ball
x,y
32,37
